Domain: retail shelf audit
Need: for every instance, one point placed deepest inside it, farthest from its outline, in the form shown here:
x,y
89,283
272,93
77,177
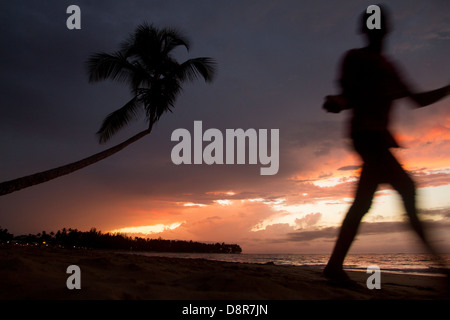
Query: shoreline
x,y
40,274
432,271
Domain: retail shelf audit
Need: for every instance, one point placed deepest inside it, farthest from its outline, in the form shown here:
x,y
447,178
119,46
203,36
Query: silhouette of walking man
x,y
369,85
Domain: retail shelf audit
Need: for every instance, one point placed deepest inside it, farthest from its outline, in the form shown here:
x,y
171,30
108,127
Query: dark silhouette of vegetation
x,y
145,63
94,239
5,235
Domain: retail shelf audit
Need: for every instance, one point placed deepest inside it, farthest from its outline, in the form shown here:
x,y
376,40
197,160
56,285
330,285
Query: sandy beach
x,y
40,273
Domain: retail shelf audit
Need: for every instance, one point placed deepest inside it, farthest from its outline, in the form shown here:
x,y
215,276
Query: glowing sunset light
x,y
191,204
333,181
255,200
157,228
224,202
216,193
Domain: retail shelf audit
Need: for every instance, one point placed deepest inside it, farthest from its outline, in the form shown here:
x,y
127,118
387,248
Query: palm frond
x,y
118,119
192,69
160,98
139,78
114,66
172,38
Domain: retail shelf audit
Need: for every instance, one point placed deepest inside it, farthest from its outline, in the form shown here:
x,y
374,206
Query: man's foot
x,y
335,273
338,277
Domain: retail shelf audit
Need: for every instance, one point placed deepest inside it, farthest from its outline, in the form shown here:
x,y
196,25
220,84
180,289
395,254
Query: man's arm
x,y
402,89
426,98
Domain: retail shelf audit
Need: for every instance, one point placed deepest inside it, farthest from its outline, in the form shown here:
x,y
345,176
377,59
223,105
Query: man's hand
x,y
335,104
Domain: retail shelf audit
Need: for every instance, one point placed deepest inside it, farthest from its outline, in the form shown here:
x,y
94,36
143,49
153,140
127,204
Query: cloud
x,y
349,168
146,230
308,220
428,178
366,228
439,212
423,24
309,235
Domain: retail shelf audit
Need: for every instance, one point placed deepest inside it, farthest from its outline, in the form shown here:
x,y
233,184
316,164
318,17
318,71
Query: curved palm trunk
x,y
31,180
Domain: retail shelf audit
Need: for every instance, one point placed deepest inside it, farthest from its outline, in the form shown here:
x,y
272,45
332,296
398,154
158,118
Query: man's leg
x,y
366,188
405,186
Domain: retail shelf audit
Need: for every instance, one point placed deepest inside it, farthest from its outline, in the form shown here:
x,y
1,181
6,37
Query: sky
x,y
277,60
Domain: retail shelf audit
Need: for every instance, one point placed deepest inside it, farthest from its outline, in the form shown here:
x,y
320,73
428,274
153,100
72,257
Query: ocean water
x,y
395,263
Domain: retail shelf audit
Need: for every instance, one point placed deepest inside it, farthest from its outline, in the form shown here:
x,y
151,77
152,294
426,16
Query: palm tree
x,y
144,62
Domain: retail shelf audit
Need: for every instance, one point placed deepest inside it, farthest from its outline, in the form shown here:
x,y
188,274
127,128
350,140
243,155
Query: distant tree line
x,y
94,239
